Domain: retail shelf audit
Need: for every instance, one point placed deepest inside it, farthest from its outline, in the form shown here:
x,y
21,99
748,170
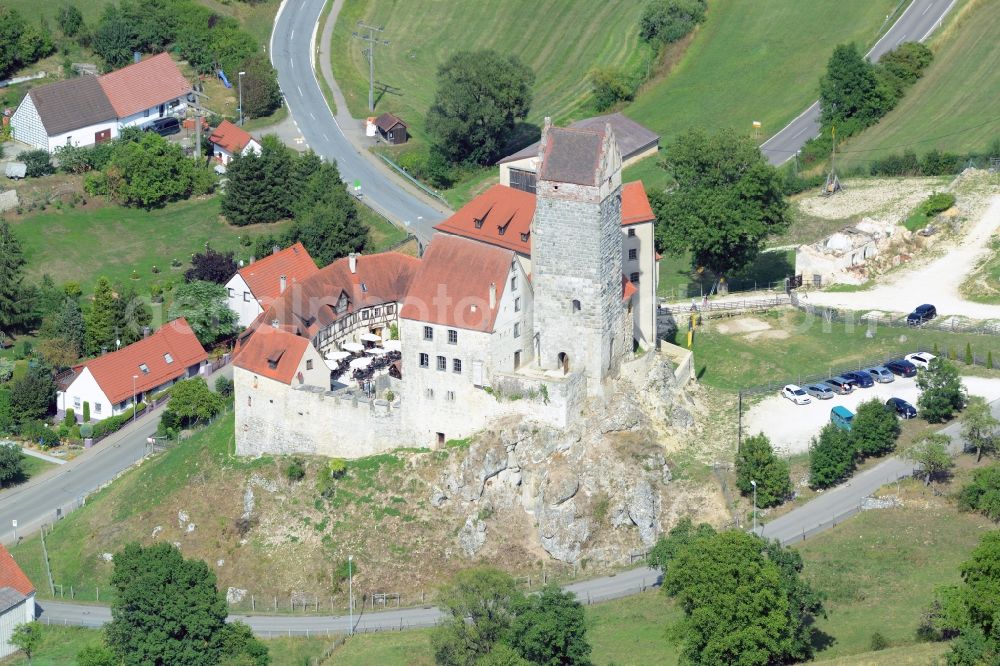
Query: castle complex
x,y
522,304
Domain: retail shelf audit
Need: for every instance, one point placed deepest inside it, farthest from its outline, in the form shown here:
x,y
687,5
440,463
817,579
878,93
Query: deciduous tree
x,y
979,427
831,457
874,429
726,202
70,20
983,492
756,461
26,638
480,96
480,607
665,21
849,92
930,452
211,266
261,94
11,463
191,402
941,391
551,629
204,306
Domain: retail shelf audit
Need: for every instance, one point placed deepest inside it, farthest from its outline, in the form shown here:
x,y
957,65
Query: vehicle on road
x,y
902,408
819,391
859,378
921,359
838,385
796,394
921,314
901,367
881,374
164,126
842,417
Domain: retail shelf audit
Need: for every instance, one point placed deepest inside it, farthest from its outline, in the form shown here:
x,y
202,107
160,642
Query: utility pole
x,y
370,52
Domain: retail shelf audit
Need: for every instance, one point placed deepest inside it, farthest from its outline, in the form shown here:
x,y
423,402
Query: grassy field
x,y
953,107
82,244
33,466
559,39
797,345
753,61
678,281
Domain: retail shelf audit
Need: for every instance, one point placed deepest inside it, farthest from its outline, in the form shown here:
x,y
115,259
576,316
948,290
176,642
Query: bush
x,y
295,471
86,430
878,642
941,391
874,430
757,462
968,353
86,411
39,433
38,163
224,387
982,494
937,203
831,457
70,418
115,423
610,86
666,21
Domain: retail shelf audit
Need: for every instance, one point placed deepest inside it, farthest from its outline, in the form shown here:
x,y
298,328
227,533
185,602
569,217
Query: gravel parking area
x,y
791,427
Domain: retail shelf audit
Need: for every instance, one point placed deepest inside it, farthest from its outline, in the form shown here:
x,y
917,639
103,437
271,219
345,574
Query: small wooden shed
x,y
391,129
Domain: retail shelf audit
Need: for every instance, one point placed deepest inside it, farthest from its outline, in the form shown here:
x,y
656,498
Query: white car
x,y
921,359
796,394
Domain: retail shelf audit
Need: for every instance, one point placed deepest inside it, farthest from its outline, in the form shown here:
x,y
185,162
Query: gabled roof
x,y
387,121
71,104
230,137
264,275
572,156
310,305
166,355
632,137
272,353
499,207
143,85
635,204
501,204
628,289
11,575
452,287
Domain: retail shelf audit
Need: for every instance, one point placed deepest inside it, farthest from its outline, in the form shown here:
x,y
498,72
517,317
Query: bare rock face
x,y
472,536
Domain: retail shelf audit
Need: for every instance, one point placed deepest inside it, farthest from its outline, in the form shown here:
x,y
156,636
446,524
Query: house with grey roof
x,y
72,112
519,170
17,600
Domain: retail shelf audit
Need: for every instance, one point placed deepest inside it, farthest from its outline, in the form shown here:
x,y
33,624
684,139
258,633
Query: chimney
x,y
275,249
284,283
136,56
493,295
145,332
352,261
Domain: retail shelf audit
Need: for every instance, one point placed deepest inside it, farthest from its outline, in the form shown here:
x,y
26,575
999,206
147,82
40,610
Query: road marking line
x,y
301,94
291,35
312,116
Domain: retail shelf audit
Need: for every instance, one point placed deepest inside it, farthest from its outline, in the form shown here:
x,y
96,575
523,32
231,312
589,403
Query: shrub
x,y
70,418
86,411
224,387
610,86
39,433
86,430
878,642
989,360
874,430
295,470
941,391
831,457
666,21
982,494
38,163
337,467
968,353
937,203
757,462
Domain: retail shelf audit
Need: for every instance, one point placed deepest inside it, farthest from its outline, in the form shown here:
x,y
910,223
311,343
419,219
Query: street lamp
x,y
240,86
754,484
350,593
134,377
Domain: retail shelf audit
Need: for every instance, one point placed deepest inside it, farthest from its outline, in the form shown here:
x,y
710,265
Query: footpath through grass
x,y
796,345
953,107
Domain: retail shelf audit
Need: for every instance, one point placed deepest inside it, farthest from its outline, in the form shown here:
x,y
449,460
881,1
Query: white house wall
x,y
27,125
241,300
86,388
84,136
644,303
22,613
152,113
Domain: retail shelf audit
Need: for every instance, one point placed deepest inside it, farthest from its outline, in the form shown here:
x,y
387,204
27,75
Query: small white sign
x,y
15,523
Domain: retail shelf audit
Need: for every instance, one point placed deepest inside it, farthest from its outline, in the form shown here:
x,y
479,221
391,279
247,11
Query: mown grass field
x,y
953,107
559,39
82,244
799,345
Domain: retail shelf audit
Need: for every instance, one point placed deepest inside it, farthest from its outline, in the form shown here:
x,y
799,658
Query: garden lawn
x,y
755,61
796,346
33,466
678,281
953,107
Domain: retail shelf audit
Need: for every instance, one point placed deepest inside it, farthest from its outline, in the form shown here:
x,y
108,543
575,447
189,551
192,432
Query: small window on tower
x,y
576,305
631,233
634,277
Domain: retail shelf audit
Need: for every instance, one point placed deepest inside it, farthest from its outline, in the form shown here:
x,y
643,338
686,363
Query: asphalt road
x,y
292,56
916,24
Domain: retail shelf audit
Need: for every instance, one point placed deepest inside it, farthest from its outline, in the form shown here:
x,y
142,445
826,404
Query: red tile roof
x,y
510,209
310,304
273,353
11,574
264,275
628,289
499,207
231,138
452,287
144,84
635,204
113,372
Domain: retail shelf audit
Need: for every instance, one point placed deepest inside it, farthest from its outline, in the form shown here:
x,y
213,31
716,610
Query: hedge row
x,y
115,423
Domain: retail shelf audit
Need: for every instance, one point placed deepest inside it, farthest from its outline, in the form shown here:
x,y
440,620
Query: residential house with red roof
x,y
255,286
86,110
110,383
17,600
229,139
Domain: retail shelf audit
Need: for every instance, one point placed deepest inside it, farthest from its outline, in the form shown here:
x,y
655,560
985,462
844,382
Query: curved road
x,y
292,43
916,24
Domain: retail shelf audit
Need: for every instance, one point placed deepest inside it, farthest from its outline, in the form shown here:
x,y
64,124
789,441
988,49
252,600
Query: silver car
x,y
881,374
819,391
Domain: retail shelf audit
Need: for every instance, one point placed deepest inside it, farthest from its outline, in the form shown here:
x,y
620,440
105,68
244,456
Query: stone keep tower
x,y
580,322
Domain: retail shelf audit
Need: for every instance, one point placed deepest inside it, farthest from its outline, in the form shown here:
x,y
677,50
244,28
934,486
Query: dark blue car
x,y
902,408
901,367
860,379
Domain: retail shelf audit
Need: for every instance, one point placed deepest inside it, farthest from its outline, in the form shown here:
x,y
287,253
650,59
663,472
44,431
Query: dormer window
x,y
364,287
274,358
144,368
168,358
524,238
342,303
479,223
502,230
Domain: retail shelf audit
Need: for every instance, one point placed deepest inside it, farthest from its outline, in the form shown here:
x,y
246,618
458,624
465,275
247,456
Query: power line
x,y
370,52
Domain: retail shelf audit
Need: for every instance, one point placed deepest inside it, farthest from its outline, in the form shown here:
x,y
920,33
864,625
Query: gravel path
x,y
935,282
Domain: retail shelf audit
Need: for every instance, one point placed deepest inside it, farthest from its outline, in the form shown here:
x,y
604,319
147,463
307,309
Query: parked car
x,y
838,385
901,367
901,407
860,379
881,374
921,359
796,394
842,417
819,391
164,126
922,313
